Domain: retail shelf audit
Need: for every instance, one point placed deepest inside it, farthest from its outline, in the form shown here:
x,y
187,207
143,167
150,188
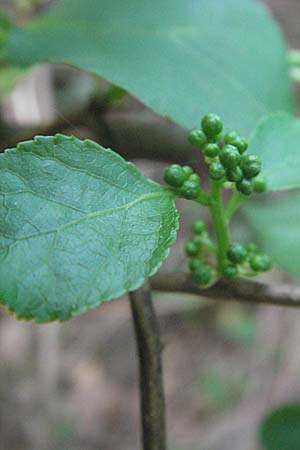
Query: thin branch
x,y
241,290
149,355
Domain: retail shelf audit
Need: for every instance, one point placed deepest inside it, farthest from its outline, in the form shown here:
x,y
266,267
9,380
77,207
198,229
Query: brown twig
x,y
149,355
241,290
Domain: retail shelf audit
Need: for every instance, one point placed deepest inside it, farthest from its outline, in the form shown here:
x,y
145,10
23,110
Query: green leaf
x,y
277,141
180,58
280,430
78,226
276,226
5,29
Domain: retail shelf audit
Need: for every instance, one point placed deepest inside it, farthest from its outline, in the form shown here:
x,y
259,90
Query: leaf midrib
x,y
92,215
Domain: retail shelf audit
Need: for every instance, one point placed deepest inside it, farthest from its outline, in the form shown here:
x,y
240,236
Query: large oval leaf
x,y
277,141
78,226
280,430
180,58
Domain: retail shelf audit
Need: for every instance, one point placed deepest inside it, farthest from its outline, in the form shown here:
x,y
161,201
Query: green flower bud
x,y
214,139
216,170
202,275
198,241
259,184
194,265
194,177
174,175
241,144
188,171
250,165
245,186
198,138
211,125
230,137
260,262
191,249
234,139
190,189
251,247
230,272
211,150
236,253
235,174
229,156
198,226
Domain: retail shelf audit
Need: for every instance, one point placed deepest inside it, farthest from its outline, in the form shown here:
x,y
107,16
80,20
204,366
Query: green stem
x,y
219,222
204,198
232,206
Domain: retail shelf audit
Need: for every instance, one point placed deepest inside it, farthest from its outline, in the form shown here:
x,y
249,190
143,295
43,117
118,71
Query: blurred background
x,y
73,386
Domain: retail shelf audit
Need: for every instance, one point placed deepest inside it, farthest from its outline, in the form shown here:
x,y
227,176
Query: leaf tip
x,y
40,140
22,146
59,139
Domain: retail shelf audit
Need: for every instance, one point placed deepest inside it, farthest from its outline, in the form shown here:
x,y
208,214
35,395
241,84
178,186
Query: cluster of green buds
x,y
248,259
230,167
241,260
226,156
184,180
201,250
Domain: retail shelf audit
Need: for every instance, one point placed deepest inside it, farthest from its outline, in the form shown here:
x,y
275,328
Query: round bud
x,y
228,184
198,226
202,275
250,165
191,249
236,253
194,265
238,141
230,272
198,241
197,137
216,170
211,125
187,170
251,247
260,262
214,139
174,175
259,184
230,137
211,150
241,144
245,186
194,177
235,174
229,156
190,189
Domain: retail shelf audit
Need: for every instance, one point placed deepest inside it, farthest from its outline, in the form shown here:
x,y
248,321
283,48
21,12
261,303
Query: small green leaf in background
x,y
280,430
180,58
78,226
277,141
223,391
5,28
276,226
216,389
237,324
